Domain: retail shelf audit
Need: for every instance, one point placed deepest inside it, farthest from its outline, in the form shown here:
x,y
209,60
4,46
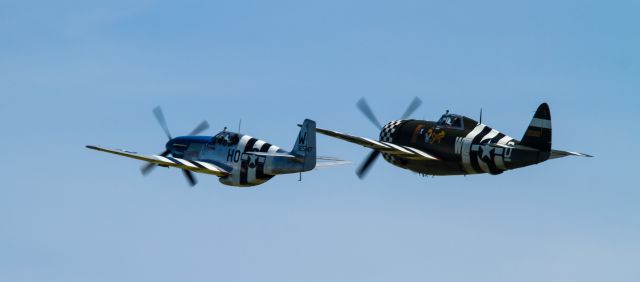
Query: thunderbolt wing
x,y
384,147
195,166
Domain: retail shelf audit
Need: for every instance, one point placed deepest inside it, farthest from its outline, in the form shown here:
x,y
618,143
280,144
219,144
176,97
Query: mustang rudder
x,y
305,145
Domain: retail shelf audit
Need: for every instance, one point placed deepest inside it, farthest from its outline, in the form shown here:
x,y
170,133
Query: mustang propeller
x,y
363,106
146,169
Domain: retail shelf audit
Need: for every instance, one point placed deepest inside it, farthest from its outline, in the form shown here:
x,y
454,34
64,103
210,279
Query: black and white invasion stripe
x,y
191,164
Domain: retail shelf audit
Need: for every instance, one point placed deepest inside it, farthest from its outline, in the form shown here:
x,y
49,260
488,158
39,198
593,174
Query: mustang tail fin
x,y
538,135
305,146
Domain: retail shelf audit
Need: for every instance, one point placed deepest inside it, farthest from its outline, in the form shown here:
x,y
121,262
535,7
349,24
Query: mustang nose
x,y
169,145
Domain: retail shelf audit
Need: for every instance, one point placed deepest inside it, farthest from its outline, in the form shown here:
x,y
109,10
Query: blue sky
x,y
75,72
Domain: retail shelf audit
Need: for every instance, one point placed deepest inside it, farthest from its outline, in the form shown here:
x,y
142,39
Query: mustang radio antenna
x,y
480,115
239,125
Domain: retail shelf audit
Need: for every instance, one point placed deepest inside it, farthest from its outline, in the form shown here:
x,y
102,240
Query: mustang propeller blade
x,y
147,168
204,125
190,177
366,110
162,121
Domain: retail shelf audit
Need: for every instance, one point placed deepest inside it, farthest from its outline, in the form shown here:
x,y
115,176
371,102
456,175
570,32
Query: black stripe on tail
x,y
538,134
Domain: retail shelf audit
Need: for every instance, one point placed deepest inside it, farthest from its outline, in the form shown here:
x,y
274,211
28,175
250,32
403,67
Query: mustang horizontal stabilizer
x,y
195,166
325,162
320,161
385,147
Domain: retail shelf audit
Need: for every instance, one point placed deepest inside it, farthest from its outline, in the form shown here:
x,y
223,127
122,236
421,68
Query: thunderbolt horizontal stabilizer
x,y
561,154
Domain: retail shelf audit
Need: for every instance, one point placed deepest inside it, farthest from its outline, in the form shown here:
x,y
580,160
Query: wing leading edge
x,y
195,166
384,147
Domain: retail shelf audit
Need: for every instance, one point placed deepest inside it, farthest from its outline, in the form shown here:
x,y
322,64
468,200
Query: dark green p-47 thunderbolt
x,y
455,144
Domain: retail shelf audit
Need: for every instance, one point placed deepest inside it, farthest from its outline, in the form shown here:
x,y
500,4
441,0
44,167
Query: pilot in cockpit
x,y
225,138
220,138
448,120
456,121
234,139
445,120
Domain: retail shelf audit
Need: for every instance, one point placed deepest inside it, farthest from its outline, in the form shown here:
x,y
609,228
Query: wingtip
x,y
582,154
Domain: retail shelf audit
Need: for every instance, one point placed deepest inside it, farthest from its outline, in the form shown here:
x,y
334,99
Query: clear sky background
x,y
81,72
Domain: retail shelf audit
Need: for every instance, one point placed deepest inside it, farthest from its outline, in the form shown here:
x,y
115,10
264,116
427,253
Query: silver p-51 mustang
x,y
237,159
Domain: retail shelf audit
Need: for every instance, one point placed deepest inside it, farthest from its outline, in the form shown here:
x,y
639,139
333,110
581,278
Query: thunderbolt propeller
x,y
363,106
146,169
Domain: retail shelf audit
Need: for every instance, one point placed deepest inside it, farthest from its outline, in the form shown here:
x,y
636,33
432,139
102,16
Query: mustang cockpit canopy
x,y
226,138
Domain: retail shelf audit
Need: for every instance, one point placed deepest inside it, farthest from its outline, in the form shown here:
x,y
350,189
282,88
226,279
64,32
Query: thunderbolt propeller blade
x,y
190,177
412,107
162,121
204,125
366,110
363,106
366,165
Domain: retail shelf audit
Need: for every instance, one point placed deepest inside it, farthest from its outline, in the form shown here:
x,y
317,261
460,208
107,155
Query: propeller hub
x,y
169,146
387,132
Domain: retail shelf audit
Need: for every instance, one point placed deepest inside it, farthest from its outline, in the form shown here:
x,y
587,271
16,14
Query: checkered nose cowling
x,y
386,135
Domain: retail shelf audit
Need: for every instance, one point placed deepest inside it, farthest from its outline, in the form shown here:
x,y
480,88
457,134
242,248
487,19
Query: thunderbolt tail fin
x,y
305,146
538,135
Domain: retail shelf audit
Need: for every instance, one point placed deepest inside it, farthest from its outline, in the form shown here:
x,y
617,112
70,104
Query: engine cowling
x,y
388,134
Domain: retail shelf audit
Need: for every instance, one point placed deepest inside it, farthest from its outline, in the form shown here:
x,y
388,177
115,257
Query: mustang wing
x,y
195,166
384,147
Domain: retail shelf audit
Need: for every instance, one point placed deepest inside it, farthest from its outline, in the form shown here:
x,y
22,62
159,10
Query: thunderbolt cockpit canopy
x,y
451,121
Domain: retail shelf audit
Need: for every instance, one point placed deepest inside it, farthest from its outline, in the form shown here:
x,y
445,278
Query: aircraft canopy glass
x,y
226,139
452,121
